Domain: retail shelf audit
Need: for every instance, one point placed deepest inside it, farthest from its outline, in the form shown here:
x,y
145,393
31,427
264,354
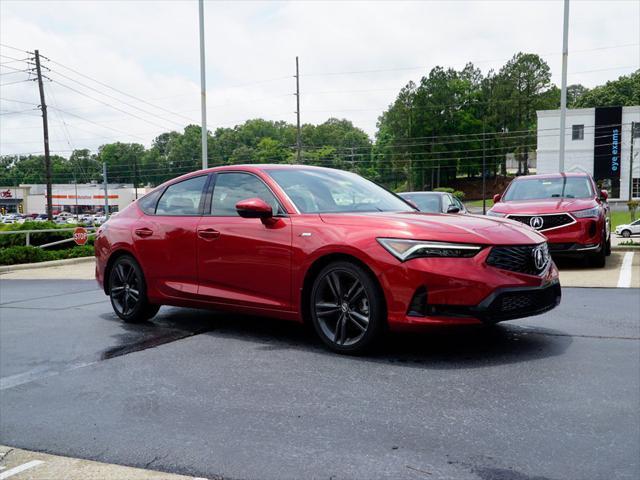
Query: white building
x,y
83,198
597,141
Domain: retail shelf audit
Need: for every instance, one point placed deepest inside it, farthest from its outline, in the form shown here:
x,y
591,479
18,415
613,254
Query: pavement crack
x,y
4,455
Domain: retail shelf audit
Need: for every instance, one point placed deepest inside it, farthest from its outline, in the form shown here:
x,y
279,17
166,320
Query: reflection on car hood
x,y
440,227
549,205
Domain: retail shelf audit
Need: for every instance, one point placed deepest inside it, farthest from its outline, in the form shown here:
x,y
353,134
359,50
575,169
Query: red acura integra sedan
x,y
567,208
318,245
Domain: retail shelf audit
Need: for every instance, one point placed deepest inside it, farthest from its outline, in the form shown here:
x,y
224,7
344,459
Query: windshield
x,y
426,202
539,188
334,191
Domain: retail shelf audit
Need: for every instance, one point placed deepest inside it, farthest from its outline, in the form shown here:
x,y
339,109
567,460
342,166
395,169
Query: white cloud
x,y
150,50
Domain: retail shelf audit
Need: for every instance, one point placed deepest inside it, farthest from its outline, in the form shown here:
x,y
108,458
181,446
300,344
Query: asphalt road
x,y
213,395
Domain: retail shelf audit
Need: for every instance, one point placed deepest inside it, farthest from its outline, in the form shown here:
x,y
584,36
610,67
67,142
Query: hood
x,y
439,227
547,205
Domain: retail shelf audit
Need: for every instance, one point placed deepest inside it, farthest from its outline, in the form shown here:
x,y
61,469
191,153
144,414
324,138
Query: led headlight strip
x,y
405,250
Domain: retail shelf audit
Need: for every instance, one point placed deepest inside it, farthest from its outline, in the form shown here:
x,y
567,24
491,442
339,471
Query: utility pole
x,y
75,182
563,90
106,192
135,175
45,130
298,136
484,171
203,88
633,131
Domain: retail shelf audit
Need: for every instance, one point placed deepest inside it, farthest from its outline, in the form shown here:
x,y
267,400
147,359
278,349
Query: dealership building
x,y
81,198
604,142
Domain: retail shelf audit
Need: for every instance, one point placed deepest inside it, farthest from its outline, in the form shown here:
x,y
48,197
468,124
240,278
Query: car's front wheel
x,y
626,233
347,308
128,291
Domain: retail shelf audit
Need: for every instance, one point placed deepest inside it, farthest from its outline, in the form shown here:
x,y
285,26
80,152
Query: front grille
x,y
520,258
519,303
547,221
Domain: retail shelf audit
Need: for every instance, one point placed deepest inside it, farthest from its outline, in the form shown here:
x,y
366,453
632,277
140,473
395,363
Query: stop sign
x,y
80,236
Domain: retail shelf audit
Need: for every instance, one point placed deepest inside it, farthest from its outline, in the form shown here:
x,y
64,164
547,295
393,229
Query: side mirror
x,y
604,195
254,208
453,209
497,197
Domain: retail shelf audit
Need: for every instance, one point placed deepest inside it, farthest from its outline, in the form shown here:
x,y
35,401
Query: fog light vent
x,y
418,306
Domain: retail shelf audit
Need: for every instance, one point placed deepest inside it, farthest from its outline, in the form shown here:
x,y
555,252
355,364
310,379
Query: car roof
x,y
554,175
424,193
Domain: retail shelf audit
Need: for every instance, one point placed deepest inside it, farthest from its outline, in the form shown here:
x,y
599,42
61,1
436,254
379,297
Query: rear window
x,y
148,203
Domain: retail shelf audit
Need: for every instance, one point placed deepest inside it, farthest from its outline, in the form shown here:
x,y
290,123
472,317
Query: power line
x,y
15,48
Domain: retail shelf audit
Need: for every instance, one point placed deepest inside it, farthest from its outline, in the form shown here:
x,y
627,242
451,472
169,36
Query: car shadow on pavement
x,y
441,348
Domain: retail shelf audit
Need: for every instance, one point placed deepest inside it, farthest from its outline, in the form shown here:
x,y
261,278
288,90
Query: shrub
x,y
23,254
456,193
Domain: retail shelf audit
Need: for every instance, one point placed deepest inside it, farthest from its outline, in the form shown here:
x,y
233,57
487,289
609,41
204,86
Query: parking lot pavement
x,y
25,465
622,270
213,395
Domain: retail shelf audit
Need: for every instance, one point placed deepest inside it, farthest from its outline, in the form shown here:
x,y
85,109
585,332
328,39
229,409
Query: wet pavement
x,y
211,395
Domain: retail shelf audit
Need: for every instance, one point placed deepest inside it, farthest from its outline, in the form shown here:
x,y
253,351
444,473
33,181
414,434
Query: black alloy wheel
x,y
347,308
127,291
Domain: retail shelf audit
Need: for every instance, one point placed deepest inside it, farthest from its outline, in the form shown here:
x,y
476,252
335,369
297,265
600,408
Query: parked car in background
x,y
626,231
434,202
567,208
318,245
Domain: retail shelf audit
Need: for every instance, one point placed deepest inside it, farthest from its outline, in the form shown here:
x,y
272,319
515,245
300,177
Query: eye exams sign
x,y
606,148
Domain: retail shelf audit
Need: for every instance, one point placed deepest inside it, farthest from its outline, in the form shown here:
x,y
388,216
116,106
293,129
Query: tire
x,y
607,248
128,291
347,308
599,259
626,233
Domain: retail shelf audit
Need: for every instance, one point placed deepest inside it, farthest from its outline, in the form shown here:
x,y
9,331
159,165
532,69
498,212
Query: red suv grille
x,y
548,221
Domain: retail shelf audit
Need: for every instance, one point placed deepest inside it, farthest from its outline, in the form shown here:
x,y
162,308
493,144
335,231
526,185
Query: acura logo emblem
x,y
540,257
536,222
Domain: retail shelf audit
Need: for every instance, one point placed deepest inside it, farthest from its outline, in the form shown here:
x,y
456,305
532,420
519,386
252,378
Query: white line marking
x,y
624,280
20,468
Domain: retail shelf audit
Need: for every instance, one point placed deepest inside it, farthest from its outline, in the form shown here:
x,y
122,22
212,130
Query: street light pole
x,y
563,90
203,87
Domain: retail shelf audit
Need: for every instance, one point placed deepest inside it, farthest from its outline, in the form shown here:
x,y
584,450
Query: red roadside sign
x,y
80,235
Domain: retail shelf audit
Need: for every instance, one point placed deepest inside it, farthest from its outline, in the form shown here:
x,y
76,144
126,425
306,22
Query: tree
x,y
624,91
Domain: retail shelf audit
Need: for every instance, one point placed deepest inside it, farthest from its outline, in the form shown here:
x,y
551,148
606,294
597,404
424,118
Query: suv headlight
x,y
588,213
491,213
405,250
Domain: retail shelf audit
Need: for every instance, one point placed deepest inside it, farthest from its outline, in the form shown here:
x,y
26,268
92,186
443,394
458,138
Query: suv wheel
x,y
347,308
128,292
626,233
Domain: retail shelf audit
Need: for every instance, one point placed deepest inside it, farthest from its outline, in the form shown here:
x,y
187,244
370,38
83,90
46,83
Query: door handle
x,y
144,232
208,234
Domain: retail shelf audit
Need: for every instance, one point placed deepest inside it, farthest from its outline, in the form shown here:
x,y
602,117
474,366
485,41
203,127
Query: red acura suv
x,y
566,207
318,245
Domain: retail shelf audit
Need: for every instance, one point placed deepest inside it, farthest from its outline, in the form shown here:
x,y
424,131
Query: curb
x,y
50,263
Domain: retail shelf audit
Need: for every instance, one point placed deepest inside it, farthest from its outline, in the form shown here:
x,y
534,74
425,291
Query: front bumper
x,y
459,291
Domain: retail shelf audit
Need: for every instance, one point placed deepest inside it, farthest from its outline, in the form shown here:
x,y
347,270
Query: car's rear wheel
x,y
347,308
128,291
626,233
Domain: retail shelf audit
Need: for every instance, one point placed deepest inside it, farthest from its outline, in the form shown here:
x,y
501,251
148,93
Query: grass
x,y
620,217
478,203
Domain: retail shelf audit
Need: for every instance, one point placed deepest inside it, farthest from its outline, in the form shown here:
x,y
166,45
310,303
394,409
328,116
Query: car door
x,y
635,227
165,237
244,261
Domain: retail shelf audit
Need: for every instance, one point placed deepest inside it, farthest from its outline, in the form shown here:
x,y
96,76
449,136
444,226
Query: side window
x,y
458,203
446,203
182,198
231,188
148,203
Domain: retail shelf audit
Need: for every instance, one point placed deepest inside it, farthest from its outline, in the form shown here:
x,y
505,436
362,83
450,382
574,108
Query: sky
x,y
354,58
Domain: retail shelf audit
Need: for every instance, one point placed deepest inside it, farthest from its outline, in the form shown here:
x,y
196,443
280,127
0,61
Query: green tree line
x,y
436,129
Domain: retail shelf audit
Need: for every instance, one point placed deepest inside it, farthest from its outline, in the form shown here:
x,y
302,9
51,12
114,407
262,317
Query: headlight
x,y
491,213
588,213
405,250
